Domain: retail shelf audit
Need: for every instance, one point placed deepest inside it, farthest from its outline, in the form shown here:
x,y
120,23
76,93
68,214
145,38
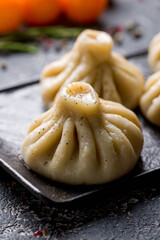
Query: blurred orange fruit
x,y
63,4
83,11
10,16
40,12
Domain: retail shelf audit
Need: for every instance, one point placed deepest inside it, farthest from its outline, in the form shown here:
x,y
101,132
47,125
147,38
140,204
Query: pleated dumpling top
x,y
154,53
92,61
83,139
150,100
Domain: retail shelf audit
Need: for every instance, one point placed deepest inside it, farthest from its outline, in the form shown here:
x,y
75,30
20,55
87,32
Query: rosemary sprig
x,y
15,41
50,31
18,47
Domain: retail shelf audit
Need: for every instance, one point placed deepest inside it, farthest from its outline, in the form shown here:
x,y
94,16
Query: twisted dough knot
x,y
99,44
78,97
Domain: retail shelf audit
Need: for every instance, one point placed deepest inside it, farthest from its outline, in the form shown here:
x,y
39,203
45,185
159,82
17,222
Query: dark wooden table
x,y
131,212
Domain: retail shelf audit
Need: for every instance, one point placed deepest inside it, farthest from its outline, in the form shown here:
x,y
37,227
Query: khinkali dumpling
x,y
83,139
92,61
154,53
150,100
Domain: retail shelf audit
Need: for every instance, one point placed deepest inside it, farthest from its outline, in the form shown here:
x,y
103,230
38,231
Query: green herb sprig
x,y
17,41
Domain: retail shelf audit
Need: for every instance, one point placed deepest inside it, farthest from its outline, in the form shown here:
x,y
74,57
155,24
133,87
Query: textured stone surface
x,y
130,214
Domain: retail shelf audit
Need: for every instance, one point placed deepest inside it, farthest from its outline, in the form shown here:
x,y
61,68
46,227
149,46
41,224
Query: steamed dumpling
x,y
154,53
92,61
150,100
83,139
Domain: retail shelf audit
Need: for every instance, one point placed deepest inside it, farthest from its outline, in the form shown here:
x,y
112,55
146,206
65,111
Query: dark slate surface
x,y
128,213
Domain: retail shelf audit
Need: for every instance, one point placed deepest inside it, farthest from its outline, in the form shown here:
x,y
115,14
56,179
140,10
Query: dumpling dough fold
x,y
154,53
150,100
92,61
83,139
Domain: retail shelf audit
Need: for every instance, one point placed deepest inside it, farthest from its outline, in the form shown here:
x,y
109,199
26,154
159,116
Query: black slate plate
x,y
17,110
